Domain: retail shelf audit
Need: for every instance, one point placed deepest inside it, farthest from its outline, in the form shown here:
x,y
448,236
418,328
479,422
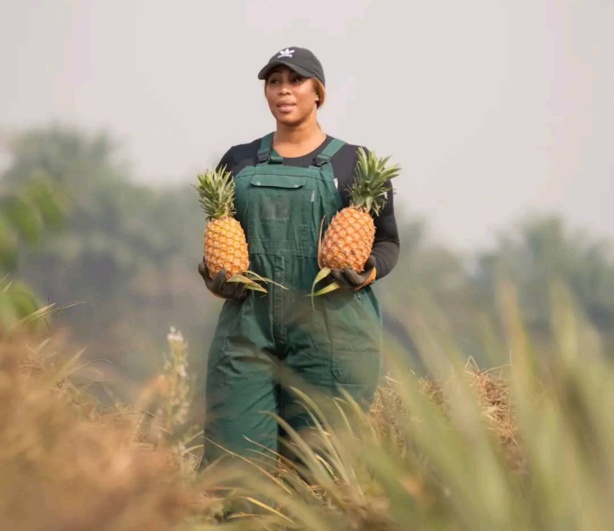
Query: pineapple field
x,y
524,446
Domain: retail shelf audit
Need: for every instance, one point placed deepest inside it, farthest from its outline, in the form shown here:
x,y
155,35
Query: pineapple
x,y
225,245
349,237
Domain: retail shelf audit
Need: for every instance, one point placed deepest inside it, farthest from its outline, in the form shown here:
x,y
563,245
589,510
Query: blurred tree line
x,y
75,227
126,252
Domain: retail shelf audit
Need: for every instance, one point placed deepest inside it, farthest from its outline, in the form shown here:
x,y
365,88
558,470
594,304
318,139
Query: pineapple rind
x,y
225,247
348,240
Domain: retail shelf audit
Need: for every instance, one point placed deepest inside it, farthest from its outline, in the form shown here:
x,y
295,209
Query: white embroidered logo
x,y
285,53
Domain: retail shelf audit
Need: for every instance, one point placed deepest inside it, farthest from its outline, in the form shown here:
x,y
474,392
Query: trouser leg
x,y
240,390
333,352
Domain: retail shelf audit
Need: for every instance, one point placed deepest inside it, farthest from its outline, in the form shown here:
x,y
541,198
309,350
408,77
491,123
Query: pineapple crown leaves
x,y
216,190
369,191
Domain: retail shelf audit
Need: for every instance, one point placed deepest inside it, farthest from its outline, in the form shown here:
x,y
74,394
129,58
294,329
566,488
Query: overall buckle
x,y
320,160
264,155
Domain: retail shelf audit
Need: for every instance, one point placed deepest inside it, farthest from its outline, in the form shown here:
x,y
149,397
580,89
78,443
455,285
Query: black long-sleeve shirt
x,y
386,246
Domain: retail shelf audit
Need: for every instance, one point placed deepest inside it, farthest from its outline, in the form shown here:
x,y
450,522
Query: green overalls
x,y
336,346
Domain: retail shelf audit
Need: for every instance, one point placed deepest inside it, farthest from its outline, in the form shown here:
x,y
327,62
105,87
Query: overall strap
x,y
328,153
266,153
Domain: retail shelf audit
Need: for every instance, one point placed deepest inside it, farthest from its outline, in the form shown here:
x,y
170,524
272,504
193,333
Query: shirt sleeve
x,y
239,156
387,245
227,161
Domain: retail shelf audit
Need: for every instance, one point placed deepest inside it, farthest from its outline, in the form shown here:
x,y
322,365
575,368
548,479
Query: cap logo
x,y
285,53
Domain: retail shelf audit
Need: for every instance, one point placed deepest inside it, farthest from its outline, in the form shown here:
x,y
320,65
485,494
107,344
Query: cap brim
x,y
263,74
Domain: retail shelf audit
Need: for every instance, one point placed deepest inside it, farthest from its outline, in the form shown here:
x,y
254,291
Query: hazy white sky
x,y
493,107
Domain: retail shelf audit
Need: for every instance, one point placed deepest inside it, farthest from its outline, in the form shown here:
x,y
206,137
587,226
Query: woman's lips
x,y
286,107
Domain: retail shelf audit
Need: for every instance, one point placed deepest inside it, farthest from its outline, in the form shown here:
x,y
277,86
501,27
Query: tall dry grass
x,y
68,463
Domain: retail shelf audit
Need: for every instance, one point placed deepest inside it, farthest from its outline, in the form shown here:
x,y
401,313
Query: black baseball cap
x,y
301,60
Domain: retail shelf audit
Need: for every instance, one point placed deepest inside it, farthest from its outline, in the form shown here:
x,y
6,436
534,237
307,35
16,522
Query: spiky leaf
x,y
216,190
369,191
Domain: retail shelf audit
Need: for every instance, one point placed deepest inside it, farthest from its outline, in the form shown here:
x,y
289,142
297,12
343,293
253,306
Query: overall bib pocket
x,y
271,202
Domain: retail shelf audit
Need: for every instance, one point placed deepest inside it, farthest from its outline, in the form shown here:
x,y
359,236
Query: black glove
x,y
349,279
218,285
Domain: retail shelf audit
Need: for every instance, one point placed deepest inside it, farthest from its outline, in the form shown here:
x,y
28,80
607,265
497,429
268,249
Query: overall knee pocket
x,y
356,342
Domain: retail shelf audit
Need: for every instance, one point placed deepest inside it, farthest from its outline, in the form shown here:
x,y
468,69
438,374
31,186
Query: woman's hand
x,y
349,279
218,285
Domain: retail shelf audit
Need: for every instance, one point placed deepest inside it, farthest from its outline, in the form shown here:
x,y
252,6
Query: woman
x,y
286,183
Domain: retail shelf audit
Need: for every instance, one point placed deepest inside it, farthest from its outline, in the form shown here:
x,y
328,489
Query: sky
x,y
494,108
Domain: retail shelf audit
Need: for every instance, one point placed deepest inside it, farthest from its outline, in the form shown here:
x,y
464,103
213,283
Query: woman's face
x,y
291,97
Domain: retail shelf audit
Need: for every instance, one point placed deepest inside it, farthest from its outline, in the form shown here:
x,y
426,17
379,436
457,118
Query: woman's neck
x,y
298,140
